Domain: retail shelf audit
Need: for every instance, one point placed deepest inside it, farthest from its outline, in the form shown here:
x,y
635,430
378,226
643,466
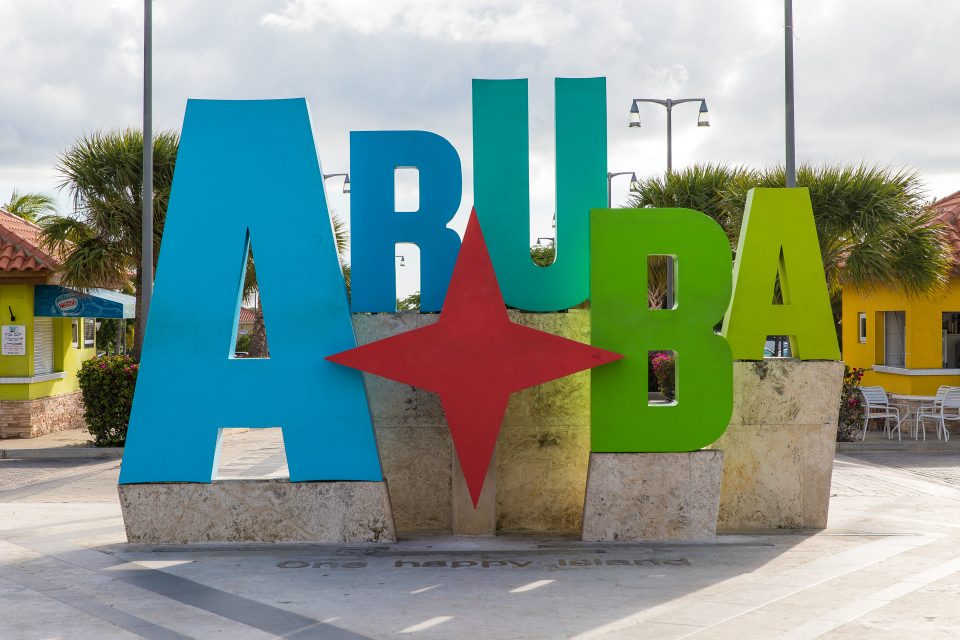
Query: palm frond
x,y
30,206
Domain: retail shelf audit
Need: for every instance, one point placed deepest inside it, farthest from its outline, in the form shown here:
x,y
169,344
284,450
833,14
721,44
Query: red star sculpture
x,y
474,358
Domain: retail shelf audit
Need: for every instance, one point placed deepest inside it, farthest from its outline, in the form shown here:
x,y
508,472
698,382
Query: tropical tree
x,y
543,255
101,244
874,225
409,303
30,206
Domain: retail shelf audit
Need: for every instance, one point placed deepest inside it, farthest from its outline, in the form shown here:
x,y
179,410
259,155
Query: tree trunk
x,y
121,325
258,338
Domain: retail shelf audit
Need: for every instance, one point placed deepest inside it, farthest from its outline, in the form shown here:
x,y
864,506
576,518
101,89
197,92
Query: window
x,y
951,340
42,346
862,324
894,338
75,333
89,332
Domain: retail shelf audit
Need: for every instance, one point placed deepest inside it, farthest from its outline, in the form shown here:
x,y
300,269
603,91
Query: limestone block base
x,y
778,450
32,418
538,477
257,511
635,497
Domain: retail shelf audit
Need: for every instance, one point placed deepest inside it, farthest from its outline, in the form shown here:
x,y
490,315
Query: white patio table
x,y
911,403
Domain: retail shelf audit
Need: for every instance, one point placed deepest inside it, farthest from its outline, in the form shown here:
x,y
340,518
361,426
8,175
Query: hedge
x,y
107,384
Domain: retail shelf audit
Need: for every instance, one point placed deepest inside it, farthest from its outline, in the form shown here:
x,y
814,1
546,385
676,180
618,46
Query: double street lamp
x,y
703,119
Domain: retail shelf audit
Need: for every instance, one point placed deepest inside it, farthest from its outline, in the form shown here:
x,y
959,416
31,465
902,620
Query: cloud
x,y
475,21
874,79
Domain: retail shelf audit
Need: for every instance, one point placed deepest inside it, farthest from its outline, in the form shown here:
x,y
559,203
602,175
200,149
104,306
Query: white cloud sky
x,y
875,80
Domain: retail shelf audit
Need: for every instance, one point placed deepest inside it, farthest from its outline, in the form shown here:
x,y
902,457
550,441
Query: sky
x,y
876,81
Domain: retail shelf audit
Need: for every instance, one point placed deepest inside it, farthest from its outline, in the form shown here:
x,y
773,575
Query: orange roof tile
x,y
19,247
246,315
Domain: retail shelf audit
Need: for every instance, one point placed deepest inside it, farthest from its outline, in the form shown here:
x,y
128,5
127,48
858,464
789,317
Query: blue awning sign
x,y
54,301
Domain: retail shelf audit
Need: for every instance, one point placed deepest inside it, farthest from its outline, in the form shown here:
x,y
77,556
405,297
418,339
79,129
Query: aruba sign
x,y
247,172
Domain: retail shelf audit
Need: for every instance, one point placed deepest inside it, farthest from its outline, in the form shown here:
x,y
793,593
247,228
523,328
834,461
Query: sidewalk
x,y
61,445
877,441
888,567
76,444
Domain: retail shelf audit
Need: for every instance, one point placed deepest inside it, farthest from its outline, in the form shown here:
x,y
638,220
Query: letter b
x,y
621,241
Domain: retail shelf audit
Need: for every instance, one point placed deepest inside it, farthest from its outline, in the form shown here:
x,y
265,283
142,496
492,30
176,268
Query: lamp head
x,y
635,115
346,184
703,120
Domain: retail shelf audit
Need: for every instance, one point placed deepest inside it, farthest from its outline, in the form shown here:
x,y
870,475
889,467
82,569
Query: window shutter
x,y
42,346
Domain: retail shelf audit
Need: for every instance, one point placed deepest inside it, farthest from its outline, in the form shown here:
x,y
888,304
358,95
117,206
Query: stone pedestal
x,y
538,475
778,450
257,511
652,496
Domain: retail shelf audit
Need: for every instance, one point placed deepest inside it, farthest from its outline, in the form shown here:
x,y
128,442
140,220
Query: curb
x,y
63,453
918,446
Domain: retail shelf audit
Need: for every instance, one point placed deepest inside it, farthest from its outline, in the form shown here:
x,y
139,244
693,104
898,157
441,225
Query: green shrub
x,y
243,343
850,420
107,384
664,367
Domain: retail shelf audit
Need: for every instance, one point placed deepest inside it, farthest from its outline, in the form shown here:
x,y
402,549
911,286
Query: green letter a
x,y
778,236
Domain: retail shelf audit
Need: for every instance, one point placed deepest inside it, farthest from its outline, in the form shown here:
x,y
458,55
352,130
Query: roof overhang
x,y
54,301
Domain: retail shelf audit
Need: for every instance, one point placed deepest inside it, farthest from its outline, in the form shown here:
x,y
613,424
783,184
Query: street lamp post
x,y
611,176
791,166
703,119
146,222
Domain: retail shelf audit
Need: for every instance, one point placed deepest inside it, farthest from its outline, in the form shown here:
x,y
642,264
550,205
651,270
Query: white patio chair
x,y
949,410
929,409
878,406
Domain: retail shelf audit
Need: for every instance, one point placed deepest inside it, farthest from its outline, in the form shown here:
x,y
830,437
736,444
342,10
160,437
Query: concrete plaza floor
x,y
887,567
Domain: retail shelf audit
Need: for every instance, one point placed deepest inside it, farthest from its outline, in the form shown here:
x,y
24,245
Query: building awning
x,y
53,301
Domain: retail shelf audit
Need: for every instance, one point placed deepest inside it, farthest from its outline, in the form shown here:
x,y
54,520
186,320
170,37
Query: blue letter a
x,y
248,170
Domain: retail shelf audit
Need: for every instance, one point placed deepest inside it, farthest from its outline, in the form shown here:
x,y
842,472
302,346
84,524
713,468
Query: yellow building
x,y
910,345
46,332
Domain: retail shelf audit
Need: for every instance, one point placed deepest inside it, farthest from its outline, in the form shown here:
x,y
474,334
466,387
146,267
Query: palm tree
x,y
258,338
874,225
104,175
30,206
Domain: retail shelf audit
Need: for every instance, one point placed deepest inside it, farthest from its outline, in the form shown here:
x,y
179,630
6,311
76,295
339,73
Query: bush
x,y
850,420
243,343
107,384
664,367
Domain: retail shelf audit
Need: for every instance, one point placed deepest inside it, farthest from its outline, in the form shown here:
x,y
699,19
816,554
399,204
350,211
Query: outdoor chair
x,y
931,410
949,410
878,406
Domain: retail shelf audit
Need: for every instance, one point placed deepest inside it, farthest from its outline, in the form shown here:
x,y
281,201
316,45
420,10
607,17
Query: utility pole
x,y
146,265
791,165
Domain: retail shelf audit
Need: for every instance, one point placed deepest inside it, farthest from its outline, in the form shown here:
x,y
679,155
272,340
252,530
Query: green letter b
x,y
622,420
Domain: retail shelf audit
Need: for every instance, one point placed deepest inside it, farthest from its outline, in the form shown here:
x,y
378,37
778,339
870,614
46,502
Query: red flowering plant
x,y
107,384
664,369
850,420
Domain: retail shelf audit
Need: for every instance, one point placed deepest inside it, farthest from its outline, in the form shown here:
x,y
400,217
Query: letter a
x,y
779,236
622,420
248,171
